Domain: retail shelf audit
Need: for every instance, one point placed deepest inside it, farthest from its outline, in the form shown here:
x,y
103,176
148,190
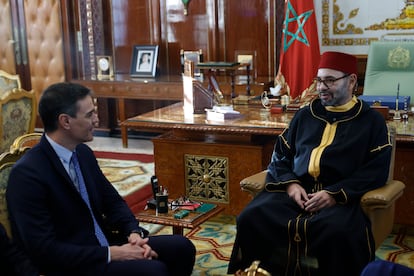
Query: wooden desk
x,y
404,171
157,92
122,87
191,221
207,160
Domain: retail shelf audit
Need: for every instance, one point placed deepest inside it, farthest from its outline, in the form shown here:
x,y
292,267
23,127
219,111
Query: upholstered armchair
x,y
390,63
17,116
26,141
8,82
7,160
378,204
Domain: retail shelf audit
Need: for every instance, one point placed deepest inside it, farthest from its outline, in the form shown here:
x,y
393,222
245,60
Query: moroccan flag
x,y
300,46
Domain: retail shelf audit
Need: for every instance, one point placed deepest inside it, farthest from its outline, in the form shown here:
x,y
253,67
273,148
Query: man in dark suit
x,y
63,210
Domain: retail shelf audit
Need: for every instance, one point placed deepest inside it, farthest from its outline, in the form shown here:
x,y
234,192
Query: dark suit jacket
x,y
13,261
50,219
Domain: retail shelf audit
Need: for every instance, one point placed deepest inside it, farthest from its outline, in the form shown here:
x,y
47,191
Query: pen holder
x,y
162,203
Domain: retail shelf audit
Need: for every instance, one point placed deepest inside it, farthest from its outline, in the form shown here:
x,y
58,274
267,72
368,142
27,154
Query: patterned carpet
x,y
127,172
214,240
398,247
130,174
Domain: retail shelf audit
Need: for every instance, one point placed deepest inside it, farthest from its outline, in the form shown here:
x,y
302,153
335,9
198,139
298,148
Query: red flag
x,y
300,46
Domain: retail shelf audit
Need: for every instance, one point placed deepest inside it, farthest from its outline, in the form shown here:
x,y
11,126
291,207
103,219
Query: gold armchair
x,y
378,204
26,141
7,160
17,116
8,82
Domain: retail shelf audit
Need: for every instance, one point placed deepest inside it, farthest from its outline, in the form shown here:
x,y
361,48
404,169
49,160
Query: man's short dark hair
x,y
60,98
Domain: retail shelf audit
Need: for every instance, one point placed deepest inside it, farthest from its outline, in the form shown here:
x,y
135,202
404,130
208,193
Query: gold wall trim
x,y
340,18
91,40
339,28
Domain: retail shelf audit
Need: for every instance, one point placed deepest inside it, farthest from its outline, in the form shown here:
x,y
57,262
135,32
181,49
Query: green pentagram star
x,y
300,35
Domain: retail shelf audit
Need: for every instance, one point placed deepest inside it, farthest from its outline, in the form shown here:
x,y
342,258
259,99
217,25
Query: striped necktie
x,y
79,182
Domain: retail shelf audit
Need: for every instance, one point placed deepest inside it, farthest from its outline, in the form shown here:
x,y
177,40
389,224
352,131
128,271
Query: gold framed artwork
x,y
105,67
351,25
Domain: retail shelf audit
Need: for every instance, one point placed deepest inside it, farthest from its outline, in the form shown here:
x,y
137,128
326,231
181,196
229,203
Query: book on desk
x,y
221,113
390,101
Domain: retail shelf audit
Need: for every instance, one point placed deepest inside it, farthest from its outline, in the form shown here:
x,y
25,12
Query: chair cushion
x,y
390,64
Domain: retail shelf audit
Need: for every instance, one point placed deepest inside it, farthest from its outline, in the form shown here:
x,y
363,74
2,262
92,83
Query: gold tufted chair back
x,y
18,109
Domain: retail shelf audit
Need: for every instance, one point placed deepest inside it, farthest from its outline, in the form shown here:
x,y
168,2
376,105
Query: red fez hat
x,y
339,61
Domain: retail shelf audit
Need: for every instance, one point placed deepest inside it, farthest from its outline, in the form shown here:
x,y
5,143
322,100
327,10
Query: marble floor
x,y
114,144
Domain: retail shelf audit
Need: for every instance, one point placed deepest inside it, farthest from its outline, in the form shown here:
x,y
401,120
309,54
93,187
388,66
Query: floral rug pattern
x,y
126,176
398,247
213,240
127,172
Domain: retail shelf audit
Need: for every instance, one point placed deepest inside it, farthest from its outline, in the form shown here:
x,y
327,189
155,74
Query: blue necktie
x,y
79,182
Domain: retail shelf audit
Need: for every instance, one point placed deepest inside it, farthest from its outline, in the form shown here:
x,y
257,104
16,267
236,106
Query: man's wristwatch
x,y
140,232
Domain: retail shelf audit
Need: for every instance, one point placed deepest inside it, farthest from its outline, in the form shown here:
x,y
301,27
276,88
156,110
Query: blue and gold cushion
x,y
17,116
4,214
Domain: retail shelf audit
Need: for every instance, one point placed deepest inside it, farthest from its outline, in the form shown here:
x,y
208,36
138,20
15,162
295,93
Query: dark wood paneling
x,y
217,27
362,65
188,32
252,32
132,25
404,171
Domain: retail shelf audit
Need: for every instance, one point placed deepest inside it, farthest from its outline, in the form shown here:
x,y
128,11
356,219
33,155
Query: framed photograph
x,y
248,57
105,67
144,61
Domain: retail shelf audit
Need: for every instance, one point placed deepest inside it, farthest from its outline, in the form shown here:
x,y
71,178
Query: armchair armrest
x,y
377,204
384,196
254,183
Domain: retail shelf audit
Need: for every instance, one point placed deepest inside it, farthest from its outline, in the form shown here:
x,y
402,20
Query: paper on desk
x,y
224,109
